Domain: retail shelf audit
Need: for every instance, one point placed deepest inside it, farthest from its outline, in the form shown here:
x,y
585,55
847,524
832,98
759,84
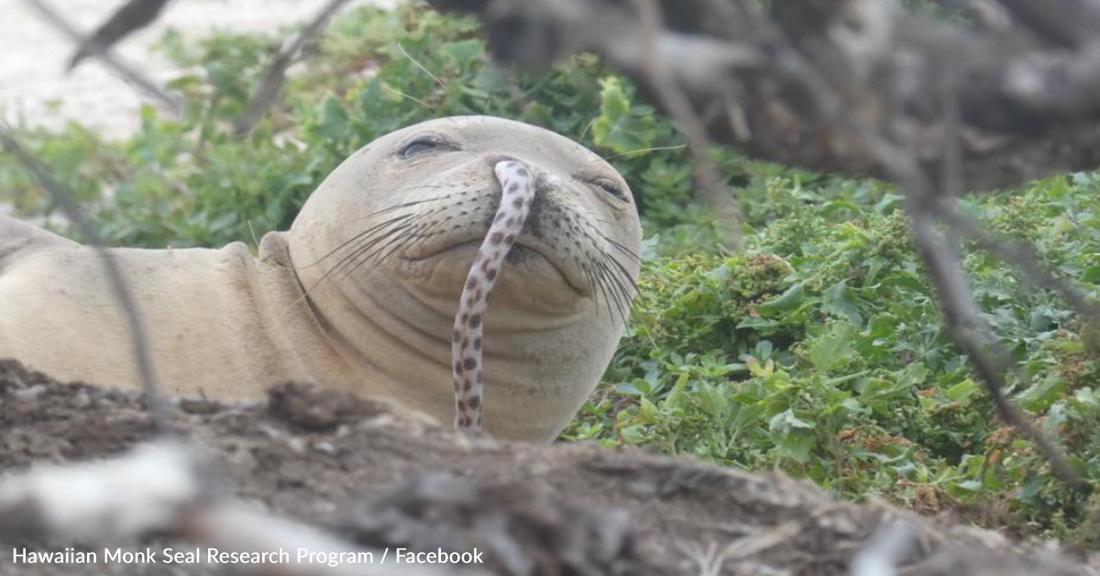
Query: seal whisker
x,y
369,252
628,279
399,206
363,246
357,237
420,236
403,242
601,284
623,273
618,245
592,284
624,279
615,287
307,290
366,242
427,233
406,204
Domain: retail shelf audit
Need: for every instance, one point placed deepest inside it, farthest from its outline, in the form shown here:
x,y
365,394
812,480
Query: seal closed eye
x,y
362,293
421,143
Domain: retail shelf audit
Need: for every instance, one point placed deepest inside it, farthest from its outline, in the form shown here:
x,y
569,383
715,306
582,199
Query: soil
x,y
381,475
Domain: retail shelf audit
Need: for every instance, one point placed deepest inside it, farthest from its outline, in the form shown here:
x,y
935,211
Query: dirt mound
x,y
383,476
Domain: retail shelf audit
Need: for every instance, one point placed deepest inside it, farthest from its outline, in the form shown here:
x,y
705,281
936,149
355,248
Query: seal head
x,y
384,246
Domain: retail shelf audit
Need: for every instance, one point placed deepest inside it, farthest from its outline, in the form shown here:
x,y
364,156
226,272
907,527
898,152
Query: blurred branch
x,y
128,73
970,332
133,15
711,181
1023,256
64,199
275,75
1027,108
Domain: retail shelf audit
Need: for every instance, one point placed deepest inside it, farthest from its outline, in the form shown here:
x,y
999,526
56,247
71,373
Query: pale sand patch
x,y
36,90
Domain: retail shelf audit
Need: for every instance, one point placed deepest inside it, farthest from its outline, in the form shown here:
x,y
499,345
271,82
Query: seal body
x,y
213,317
362,292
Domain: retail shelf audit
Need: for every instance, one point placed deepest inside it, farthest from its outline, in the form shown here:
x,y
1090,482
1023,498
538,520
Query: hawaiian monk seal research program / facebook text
x,y
362,293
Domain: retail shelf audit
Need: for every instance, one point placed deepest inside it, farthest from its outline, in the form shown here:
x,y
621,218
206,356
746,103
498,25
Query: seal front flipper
x,y
19,238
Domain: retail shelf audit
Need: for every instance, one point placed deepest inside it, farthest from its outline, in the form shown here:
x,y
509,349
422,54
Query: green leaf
x,y
841,301
962,391
877,392
835,348
797,446
786,421
620,128
760,371
1041,394
761,324
333,119
465,52
790,299
674,400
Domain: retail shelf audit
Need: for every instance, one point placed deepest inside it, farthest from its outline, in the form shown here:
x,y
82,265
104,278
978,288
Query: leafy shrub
x,y
822,353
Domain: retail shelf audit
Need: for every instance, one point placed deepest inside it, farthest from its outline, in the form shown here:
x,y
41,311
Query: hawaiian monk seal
x,y
361,293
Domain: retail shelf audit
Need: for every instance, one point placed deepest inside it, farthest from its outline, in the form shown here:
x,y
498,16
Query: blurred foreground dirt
x,y
383,476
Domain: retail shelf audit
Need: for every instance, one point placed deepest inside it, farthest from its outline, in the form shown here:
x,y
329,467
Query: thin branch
x,y
1028,108
944,266
275,76
851,86
968,330
133,16
128,73
1064,23
1021,255
64,199
713,186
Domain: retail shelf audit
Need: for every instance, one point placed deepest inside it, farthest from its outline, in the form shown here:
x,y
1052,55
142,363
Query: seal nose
x,y
544,181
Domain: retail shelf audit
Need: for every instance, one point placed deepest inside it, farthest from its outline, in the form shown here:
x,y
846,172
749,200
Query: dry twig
x,y
711,182
125,71
275,75
64,199
133,16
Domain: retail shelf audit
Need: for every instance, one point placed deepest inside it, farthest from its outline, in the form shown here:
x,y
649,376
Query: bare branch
x,y
969,331
1021,255
858,87
1027,109
1067,23
133,15
714,188
65,200
123,70
275,75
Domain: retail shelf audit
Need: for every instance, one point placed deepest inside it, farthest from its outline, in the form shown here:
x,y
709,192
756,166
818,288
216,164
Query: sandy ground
x,y
36,90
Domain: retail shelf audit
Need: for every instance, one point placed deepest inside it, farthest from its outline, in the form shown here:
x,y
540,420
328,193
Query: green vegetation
x,y
816,350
